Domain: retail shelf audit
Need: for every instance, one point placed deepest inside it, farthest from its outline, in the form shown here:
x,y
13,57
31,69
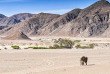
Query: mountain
x,y
6,21
2,27
32,25
93,21
59,22
2,16
17,36
22,16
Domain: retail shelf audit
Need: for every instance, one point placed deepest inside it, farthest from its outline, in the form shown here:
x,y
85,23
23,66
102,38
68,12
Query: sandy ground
x,y
54,61
65,61
93,40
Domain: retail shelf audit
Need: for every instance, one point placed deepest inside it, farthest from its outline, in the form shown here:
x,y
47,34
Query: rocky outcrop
x,y
17,36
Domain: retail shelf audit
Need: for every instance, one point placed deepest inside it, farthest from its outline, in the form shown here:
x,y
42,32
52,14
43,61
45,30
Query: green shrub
x,y
54,40
66,43
26,48
77,41
85,47
91,45
55,46
84,39
78,46
37,48
40,48
5,48
40,39
15,47
63,43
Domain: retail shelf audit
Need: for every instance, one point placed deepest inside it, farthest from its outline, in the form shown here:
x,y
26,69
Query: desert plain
x,y
54,61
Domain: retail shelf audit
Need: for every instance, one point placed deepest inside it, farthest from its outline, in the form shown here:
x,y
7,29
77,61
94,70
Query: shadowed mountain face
x,y
22,16
59,22
17,36
2,16
6,21
2,27
32,25
93,21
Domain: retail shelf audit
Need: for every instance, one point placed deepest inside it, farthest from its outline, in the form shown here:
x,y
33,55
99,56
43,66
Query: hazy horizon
x,y
11,7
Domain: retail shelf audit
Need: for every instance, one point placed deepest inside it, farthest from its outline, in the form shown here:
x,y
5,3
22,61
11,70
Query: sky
x,y
11,7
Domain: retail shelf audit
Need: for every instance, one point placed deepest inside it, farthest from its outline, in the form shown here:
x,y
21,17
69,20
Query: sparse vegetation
x,y
40,48
26,48
77,41
54,40
85,47
15,47
55,46
37,48
5,48
91,45
62,43
84,39
40,39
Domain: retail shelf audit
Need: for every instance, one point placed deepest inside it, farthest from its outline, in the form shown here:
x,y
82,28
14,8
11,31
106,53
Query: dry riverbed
x,y
54,61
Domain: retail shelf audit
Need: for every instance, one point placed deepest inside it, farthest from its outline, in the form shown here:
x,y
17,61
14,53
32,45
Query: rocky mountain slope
x,y
6,21
2,16
93,21
17,36
32,25
59,22
22,16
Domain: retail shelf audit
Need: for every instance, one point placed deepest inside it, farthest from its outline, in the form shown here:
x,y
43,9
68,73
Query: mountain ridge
x,y
92,21
12,20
